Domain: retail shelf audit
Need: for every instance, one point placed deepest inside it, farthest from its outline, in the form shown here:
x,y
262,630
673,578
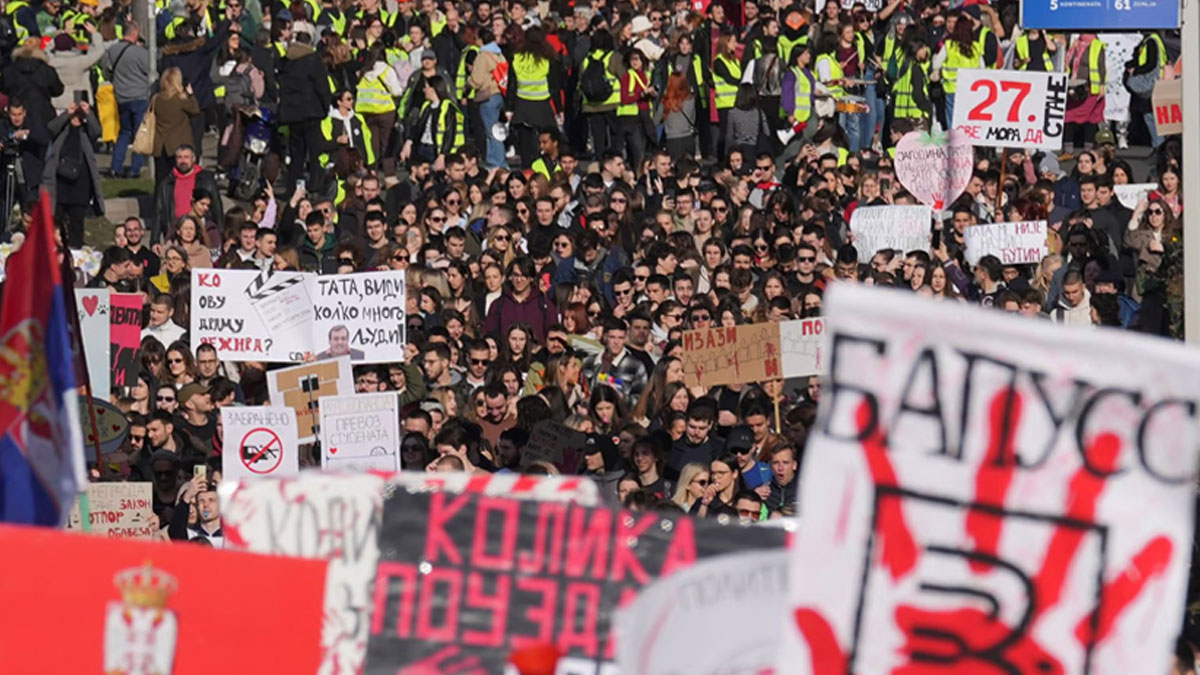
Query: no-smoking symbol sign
x,y
261,451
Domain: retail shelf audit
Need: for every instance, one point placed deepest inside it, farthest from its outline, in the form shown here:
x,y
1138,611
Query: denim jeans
x,y
489,112
872,118
850,123
949,111
130,114
1152,127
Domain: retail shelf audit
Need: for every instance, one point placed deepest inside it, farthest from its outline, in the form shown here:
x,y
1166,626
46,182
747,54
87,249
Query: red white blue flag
x,y
41,445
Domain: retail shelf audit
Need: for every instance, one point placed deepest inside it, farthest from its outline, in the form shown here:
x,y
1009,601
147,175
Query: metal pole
x,y
1191,167
151,31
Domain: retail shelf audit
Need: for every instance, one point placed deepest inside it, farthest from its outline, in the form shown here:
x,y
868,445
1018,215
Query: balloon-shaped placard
x,y
935,168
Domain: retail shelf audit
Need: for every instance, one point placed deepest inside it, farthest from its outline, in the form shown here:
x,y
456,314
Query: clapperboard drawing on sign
x,y
282,301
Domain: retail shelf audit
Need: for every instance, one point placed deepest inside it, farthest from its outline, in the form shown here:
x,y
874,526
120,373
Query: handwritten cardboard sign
x,y
125,337
115,510
1011,108
302,387
903,228
93,309
800,342
548,441
935,168
1017,243
745,353
361,432
1168,107
975,493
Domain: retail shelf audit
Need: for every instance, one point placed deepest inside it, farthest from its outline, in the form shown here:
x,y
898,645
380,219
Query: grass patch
x,y
113,188
98,232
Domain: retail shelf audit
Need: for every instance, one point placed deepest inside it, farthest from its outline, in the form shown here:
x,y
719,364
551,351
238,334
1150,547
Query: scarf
x,y
185,184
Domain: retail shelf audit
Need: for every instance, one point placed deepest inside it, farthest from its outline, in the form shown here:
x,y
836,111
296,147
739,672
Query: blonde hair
x,y
689,472
170,85
1046,268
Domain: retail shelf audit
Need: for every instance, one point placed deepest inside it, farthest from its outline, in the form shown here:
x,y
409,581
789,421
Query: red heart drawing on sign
x,y
90,304
333,451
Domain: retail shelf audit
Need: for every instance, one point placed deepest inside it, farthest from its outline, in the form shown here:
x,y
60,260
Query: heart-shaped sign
x,y
90,303
935,168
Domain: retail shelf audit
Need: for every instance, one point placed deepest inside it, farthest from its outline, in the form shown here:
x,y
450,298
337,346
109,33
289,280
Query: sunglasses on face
x,y
640,277
747,513
702,482
480,362
1156,212
700,317
346,261
174,361
165,399
627,291
437,219
618,200
807,258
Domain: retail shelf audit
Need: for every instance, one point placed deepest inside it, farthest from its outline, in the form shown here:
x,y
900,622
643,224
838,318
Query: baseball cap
x,y
190,390
1105,137
740,438
429,54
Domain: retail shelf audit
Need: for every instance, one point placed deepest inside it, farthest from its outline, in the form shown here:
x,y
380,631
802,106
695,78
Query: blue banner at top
x,y
1098,15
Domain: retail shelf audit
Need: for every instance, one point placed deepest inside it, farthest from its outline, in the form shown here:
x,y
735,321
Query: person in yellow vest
x,y
376,94
910,92
1034,51
601,113
344,129
547,162
1086,81
828,70
801,89
633,114
1150,57
960,50
793,33
23,17
489,65
439,129
534,82
727,75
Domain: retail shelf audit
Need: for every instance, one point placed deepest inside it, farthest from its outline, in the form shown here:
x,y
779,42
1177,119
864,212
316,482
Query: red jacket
x,y
537,310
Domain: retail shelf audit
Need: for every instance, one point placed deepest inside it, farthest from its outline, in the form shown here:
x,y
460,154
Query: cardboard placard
x,y
745,353
93,309
1168,107
1131,193
259,442
981,480
904,228
290,316
1011,108
125,337
116,511
360,432
302,387
1020,243
935,168
548,441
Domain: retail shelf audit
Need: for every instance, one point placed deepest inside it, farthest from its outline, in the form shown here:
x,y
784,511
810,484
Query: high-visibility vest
x,y
360,134
337,20
280,49
955,59
314,9
1095,84
835,73
727,91
1162,52
388,19
1022,46
903,102
395,55
631,109
372,96
445,109
460,82
698,73
533,77
11,10
546,169
802,105
332,84
860,46
614,82
784,46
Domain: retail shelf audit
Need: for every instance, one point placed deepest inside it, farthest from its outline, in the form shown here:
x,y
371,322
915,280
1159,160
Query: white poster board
x,y
289,316
360,432
1131,193
800,346
1011,108
682,623
259,442
93,307
1019,243
978,479
116,511
1118,49
898,227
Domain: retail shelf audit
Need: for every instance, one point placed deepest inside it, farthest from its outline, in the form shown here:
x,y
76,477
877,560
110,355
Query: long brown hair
x,y
677,92
964,35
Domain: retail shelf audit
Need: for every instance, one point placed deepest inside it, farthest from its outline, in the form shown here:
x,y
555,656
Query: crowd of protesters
x,y
567,187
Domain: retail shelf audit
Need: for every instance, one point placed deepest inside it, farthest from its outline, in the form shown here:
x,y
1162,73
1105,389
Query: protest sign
x,y
1017,243
110,422
800,343
366,309
1168,107
114,510
682,623
903,228
301,387
549,441
337,517
975,492
1119,48
123,606
745,353
259,441
475,576
360,432
1011,108
1130,194
125,337
93,309
289,316
935,168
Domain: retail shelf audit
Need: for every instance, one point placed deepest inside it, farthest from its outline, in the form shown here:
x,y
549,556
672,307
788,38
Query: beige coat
x,y
480,78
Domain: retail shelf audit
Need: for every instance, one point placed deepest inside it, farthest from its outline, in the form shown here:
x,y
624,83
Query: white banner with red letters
x,y
1011,108
1017,243
975,495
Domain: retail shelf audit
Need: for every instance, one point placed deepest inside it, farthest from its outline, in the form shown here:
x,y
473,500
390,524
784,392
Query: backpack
x,y
766,76
594,81
500,76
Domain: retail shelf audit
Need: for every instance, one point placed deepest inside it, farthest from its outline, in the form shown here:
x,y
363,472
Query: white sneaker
x,y
1122,142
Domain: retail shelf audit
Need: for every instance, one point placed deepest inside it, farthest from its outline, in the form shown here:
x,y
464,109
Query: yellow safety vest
x,y
1162,52
1023,55
445,109
533,77
802,106
539,166
613,81
1095,84
363,144
460,82
904,105
835,73
372,97
727,91
784,46
955,59
631,109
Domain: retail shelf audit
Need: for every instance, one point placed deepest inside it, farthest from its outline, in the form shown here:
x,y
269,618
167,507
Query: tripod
x,y
13,174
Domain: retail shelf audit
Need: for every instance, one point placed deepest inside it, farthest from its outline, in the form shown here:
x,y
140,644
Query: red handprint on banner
x,y
980,636
446,661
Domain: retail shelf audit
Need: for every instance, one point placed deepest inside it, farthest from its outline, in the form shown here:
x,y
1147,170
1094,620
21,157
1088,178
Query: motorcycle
x,y
257,135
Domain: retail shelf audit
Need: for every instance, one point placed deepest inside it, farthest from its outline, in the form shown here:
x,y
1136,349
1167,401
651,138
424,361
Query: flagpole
x,y
68,284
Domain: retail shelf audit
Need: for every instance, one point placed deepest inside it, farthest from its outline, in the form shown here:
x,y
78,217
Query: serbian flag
x,y
41,445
